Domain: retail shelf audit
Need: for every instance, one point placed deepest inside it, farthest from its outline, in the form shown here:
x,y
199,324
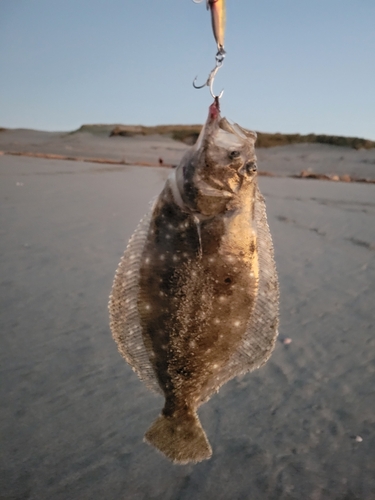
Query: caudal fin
x,y
180,438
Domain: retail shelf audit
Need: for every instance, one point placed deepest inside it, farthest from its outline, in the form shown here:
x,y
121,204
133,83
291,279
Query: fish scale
x,y
195,298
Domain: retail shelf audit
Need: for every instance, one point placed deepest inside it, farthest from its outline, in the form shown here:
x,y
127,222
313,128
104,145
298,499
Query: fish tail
x,y
180,438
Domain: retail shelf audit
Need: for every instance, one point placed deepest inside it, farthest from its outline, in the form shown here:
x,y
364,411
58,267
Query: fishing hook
x,y
211,77
217,8
209,82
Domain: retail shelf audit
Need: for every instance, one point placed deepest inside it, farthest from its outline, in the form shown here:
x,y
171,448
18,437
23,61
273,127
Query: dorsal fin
x,y
123,309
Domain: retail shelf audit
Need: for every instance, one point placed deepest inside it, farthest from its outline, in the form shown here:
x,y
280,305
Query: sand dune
x,y
73,414
84,144
280,161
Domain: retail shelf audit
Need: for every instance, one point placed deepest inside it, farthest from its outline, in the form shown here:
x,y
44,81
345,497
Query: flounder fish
x,y
195,297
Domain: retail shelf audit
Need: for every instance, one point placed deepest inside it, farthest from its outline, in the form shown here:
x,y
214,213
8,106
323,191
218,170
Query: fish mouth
x,y
214,109
212,122
224,133
210,175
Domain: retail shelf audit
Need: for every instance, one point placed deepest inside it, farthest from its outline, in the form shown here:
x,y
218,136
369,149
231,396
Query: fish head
x,y
219,172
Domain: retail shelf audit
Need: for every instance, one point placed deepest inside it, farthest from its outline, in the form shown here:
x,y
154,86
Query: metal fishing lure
x,y
218,20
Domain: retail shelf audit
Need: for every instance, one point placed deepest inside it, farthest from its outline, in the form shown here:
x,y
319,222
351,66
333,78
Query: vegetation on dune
x,y
271,140
99,129
188,134
183,133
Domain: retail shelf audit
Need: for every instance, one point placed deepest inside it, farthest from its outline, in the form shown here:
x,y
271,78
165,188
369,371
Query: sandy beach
x,y
281,161
73,413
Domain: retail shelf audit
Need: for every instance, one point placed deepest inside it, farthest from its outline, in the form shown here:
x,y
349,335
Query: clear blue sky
x,y
292,65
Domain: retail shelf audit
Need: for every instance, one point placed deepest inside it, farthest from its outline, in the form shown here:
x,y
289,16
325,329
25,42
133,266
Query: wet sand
x,y
73,413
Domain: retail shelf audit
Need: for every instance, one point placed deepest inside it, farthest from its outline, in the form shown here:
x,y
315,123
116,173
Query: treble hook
x,y
210,81
211,77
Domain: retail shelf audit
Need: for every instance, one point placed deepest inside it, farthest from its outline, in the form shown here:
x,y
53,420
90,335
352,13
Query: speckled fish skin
x,y
195,299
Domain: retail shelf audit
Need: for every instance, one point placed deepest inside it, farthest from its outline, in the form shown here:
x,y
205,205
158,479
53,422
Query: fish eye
x,y
234,154
251,167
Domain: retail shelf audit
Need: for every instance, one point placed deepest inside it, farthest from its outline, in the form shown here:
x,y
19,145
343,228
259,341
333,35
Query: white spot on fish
x,y
216,321
147,307
167,236
175,258
147,260
162,257
237,323
222,298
